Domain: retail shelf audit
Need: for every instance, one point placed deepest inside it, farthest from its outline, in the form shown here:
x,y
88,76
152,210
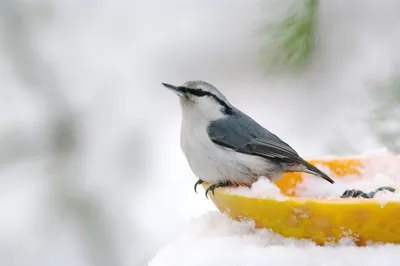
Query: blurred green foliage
x,y
290,42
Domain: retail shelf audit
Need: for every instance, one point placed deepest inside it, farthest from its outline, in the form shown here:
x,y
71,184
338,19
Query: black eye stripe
x,y
200,93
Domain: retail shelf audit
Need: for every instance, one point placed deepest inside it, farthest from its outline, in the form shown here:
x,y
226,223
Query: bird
x,y
225,147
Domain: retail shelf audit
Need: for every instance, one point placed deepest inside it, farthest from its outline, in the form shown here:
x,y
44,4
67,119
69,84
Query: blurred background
x,y
91,172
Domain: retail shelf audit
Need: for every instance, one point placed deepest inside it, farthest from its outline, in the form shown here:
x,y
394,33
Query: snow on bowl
x,y
323,220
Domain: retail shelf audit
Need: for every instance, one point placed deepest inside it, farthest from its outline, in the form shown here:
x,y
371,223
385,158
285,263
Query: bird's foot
x,y
199,182
355,193
219,184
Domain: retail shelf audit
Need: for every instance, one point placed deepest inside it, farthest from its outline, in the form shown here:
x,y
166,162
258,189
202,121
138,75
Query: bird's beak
x,y
175,89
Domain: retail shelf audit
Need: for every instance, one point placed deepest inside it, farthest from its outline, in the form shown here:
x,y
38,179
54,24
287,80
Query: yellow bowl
x,y
321,220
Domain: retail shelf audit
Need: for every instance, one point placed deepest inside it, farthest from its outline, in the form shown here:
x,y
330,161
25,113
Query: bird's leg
x,y
199,182
219,184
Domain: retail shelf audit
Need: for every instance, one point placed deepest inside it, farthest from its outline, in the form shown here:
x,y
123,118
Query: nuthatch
x,y
225,147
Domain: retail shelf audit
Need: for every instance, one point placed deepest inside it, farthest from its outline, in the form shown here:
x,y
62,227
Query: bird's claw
x,y
220,184
355,193
211,188
199,182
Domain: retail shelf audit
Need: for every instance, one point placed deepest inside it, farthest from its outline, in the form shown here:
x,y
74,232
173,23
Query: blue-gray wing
x,y
242,134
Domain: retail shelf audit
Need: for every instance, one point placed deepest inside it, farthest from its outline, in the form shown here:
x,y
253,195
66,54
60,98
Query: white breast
x,y
213,163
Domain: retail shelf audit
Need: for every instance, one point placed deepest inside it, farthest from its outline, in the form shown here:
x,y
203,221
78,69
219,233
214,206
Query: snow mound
x,y
384,170
215,240
262,188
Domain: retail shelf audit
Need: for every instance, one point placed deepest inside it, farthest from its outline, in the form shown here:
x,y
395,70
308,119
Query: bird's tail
x,y
311,169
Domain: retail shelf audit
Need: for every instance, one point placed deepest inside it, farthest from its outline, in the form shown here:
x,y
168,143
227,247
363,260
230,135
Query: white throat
x,y
204,110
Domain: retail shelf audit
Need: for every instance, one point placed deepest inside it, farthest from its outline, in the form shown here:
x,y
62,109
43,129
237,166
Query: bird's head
x,y
201,99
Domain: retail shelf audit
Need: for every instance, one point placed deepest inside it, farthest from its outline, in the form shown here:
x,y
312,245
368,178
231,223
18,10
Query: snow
x,y
215,240
262,188
383,170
